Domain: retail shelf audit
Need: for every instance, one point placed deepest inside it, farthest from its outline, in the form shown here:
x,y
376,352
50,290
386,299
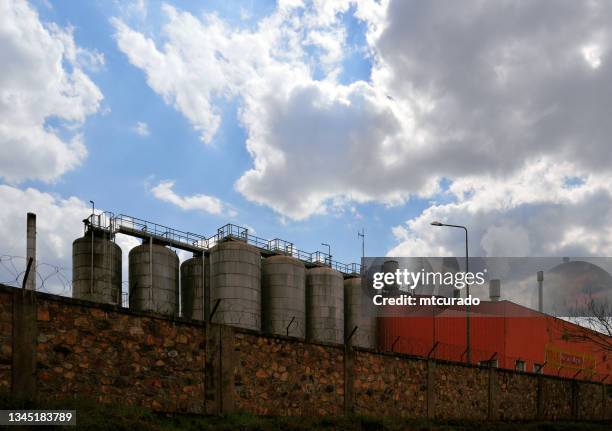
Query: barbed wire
x,y
50,278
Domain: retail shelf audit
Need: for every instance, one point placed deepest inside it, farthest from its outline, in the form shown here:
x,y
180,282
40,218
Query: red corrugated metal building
x,y
509,335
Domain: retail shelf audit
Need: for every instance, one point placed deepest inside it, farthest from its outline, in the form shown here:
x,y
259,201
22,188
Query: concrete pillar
x,y
603,402
227,369
349,378
24,342
219,369
540,399
492,396
431,393
31,250
575,399
212,370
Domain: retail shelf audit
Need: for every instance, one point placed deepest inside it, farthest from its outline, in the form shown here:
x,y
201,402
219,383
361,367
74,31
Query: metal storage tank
x,y
324,305
494,289
235,279
390,266
359,311
194,287
160,292
284,296
106,270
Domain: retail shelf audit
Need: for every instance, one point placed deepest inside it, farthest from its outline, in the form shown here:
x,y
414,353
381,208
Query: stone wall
x,y
389,384
287,377
517,395
589,400
6,339
461,392
116,355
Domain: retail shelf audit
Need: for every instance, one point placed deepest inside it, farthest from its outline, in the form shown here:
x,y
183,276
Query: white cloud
x,y
43,78
532,213
164,191
59,222
141,129
504,100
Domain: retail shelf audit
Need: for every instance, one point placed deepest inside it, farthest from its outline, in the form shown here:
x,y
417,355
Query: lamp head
x,y
436,223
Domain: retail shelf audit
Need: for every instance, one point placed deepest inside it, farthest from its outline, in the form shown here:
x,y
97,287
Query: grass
x,y
94,416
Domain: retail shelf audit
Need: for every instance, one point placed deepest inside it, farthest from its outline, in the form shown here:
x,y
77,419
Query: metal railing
x,y
124,223
277,245
134,226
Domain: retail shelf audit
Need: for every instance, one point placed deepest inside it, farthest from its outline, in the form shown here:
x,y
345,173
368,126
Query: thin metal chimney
x,y
494,289
31,251
541,291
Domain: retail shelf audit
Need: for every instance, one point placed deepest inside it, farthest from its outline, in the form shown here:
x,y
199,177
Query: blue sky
x,y
311,120
121,165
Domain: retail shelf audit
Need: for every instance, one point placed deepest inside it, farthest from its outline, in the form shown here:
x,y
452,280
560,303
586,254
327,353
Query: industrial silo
x,y
324,305
235,277
359,312
194,286
153,274
96,268
284,296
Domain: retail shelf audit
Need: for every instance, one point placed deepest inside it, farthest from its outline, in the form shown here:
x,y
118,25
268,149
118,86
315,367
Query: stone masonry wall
x,y
390,385
559,402
589,400
516,396
287,377
119,356
461,392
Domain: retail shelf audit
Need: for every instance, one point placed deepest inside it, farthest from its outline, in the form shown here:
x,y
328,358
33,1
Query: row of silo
x,y
277,294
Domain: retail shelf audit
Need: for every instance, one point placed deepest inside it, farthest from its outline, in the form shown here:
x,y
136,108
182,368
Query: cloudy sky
x,y
309,121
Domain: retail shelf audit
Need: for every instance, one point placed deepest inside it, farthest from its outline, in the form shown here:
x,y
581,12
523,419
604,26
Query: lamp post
x,y
328,252
362,236
467,307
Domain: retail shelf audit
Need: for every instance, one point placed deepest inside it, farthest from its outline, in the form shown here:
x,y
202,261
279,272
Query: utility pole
x,y
91,226
362,236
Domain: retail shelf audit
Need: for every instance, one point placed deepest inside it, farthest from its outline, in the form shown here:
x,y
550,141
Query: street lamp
x,y
467,269
328,251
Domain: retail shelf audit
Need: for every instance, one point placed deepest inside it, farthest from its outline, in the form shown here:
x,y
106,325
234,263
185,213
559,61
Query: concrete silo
x,y
284,296
96,267
195,288
153,274
235,277
324,305
359,312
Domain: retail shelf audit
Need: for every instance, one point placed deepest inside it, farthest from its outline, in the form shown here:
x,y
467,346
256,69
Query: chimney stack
x,y
494,289
31,251
540,291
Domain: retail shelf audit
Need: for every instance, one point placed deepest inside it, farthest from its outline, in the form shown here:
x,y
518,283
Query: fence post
x,y
431,393
349,377
219,369
24,344
575,396
539,396
493,387
227,369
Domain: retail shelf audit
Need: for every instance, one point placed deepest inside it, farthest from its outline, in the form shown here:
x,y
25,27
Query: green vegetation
x,y
94,416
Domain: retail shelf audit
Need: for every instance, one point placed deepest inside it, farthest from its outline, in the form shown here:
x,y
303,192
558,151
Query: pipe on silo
x,y
31,250
494,289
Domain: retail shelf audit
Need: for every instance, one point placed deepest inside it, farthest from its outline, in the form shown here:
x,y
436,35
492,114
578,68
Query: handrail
x,y
230,231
